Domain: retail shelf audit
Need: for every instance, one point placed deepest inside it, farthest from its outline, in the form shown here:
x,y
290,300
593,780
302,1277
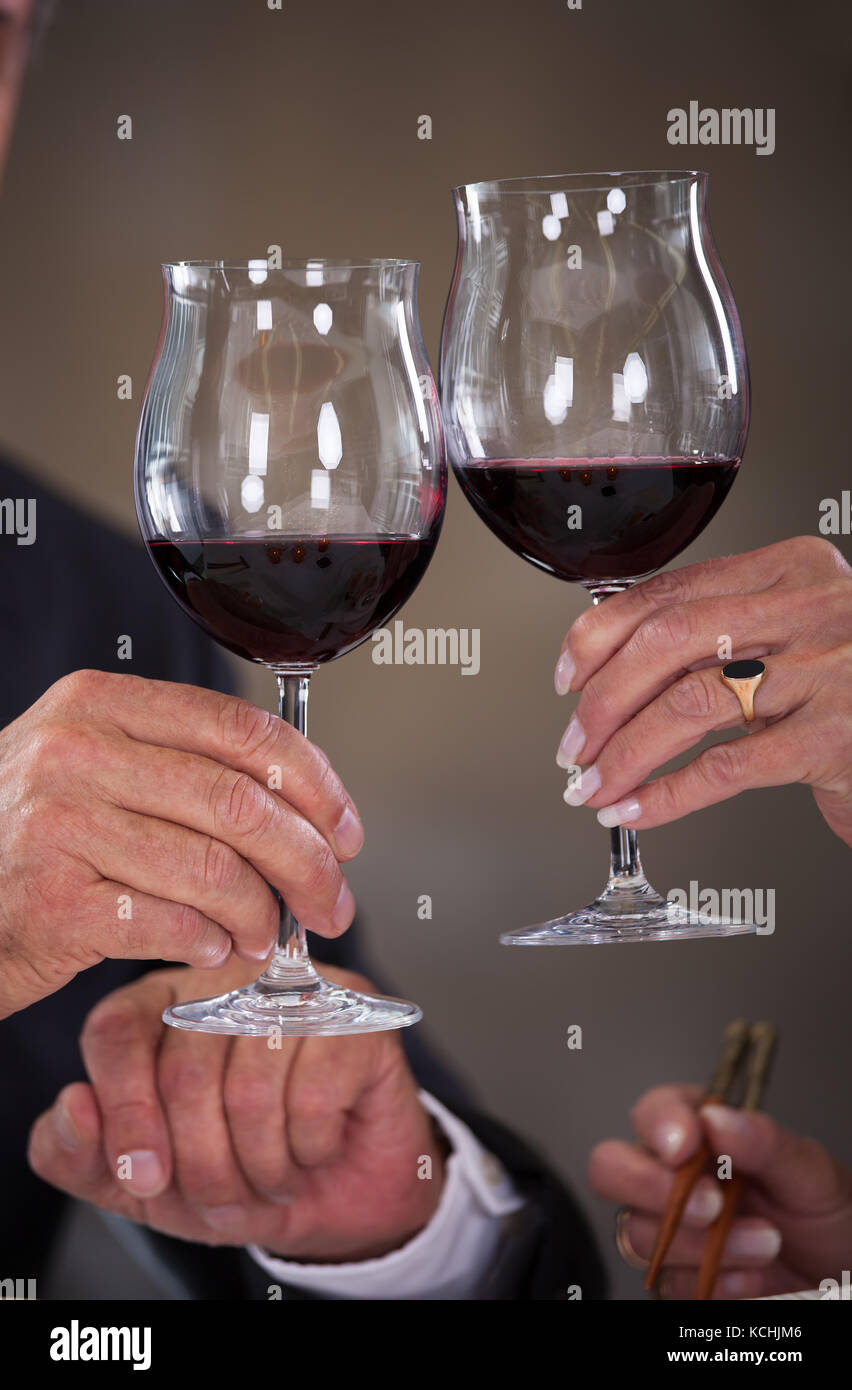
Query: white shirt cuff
x,y
448,1258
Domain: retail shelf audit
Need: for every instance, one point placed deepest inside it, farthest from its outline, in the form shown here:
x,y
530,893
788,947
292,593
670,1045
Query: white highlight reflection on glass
x,y
411,370
635,378
313,273
606,225
258,442
559,204
467,421
475,218
616,200
320,489
551,227
257,271
323,318
695,229
620,403
329,441
251,493
559,390
264,315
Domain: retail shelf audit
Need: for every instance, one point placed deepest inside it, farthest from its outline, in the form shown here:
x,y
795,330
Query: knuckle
x,y
248,728
600,1163
324,789
690,698
721,765
666,803
818,553
325,784
669,630
662,589
187,927
181,1076
597,701
308,1101
81,687
55,743
581,629
239,805
220,867
112,1023
251,1097
321,870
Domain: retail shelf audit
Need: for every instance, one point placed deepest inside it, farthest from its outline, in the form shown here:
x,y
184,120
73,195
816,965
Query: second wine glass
x,y
595,395
290,485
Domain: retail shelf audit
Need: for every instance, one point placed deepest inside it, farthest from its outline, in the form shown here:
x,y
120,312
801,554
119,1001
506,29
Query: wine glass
x,y
596,402
290,485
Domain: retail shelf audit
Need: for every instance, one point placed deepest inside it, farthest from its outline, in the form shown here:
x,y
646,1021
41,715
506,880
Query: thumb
x,y
797,1173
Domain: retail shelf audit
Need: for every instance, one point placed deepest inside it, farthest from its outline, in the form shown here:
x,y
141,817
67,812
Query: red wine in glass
x,y
595,393
290,484
293,600
597,520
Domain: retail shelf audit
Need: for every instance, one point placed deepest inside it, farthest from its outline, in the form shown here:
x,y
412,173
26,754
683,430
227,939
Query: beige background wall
x,y
253,127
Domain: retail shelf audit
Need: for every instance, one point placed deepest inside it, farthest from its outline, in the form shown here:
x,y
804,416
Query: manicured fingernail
x,y
145,1176
668,1138
758,1242
581,788
728,1120
571,744
620,813
348,834
703,1206
344,908
66,1131
223,1218
564,675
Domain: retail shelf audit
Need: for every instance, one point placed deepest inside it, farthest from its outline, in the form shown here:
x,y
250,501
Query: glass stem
x,y
624,861
627,885
291,966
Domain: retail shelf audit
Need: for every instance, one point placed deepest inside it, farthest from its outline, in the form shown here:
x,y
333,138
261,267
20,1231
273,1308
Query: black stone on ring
x,y
743,670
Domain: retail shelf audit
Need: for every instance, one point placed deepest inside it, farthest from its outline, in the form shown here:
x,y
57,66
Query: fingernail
x,y
668,1138
66,1131
217,949
564,674
344,908
260,956
758,1242
223,1218
571,744
578,792
348,833
145,1176
703,1206
726,1119
620,813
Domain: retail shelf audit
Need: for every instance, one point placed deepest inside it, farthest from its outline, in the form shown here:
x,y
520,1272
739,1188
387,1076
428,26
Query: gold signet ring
x,y
743,677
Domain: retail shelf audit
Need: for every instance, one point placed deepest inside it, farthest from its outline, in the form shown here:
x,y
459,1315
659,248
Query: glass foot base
x,y
322,1009
603,923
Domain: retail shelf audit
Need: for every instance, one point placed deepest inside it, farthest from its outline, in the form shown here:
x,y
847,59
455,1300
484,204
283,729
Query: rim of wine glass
x,y
600,181
304,263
